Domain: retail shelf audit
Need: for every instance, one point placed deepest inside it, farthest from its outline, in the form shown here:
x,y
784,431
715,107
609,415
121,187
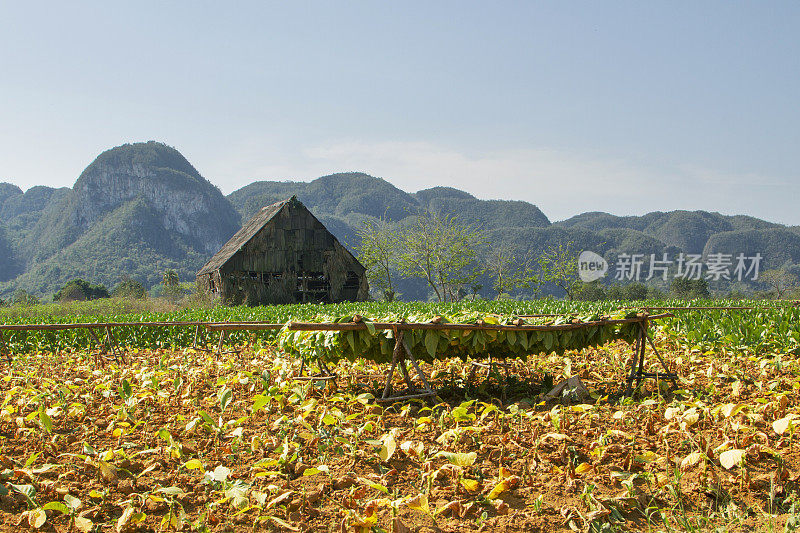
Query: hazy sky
x,y
625,107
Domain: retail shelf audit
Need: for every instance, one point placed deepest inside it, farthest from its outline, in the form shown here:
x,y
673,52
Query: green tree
x,y
377,252
590,292
689,288
509,272
24,298
441,250
636,291
79,290
129,288
559,266
779,281
171,284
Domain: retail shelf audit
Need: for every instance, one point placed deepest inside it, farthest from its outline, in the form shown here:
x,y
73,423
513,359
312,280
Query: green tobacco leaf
x,y
165,435
314,470
225,395
431,342
259,402
207,418
29,491
56,506
47,424
511,338
459,459
548,340
125,390
32,459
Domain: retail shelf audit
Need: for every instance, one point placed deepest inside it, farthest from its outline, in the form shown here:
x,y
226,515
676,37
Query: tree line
x,y
79,289
453,258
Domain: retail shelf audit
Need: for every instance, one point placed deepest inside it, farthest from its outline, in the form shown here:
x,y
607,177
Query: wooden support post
x,y
221,340
3,350
634,363
97,340
637,372
671,376
488,366
112,344
420,373
404,371
399,355
196,334
643,347
324,373
396,355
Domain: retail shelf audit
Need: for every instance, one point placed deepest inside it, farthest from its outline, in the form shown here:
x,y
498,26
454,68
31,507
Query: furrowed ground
x,y
190,441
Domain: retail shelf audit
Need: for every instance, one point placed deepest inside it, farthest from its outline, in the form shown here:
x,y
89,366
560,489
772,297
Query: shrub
x,y
79,290
129,288
689,288
590,292
24,298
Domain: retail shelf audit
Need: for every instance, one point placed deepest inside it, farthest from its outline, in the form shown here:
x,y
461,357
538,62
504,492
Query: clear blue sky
x,y
625,107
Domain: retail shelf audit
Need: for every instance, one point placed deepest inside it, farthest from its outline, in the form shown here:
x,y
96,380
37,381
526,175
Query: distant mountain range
x,y
141,208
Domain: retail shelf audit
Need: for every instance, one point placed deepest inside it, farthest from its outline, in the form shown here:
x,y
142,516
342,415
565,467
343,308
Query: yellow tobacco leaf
x,y
691,460
419,503
193,464
503,486
459,459
36,517
731,458
122,523
412,449
388,448
472,485
107,471
281,523
781,425
690,417
84,525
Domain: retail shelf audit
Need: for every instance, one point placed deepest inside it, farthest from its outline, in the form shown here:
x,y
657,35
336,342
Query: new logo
x,y
591,266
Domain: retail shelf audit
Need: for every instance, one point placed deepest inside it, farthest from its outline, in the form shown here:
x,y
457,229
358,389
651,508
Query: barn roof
x,y
241,237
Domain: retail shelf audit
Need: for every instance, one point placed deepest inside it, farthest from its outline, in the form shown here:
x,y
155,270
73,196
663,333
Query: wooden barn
x,y
284,255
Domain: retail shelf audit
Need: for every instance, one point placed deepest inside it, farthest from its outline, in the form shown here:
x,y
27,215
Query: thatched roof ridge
x,y
241,237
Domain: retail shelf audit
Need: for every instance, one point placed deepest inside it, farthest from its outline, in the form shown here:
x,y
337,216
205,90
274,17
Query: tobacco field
x,y
181,438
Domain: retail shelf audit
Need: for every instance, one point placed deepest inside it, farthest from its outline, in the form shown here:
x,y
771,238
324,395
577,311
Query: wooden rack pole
x,y
400,353
722,308
637,372
3,351
355,326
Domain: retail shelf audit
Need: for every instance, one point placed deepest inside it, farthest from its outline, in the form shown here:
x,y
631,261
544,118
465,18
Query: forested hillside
x,y
135,211
142,208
